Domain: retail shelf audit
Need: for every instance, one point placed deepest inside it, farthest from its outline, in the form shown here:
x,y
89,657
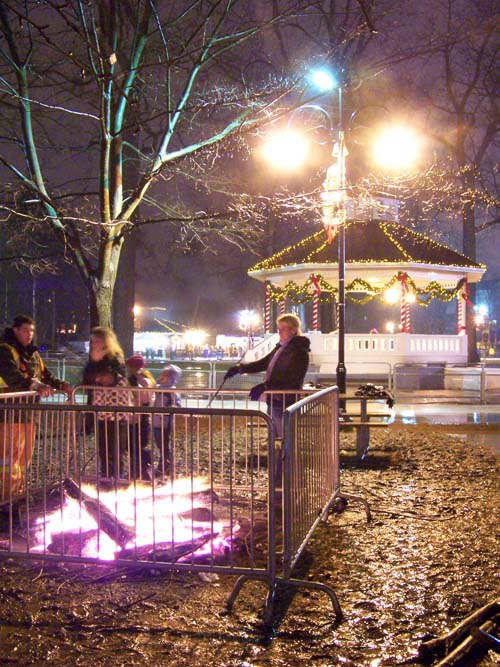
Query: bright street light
x,y
249,321
323,80
286,150
481,309
396,148
392,296
195,337
248,318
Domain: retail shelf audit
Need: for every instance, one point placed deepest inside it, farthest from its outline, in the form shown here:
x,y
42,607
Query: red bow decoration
x,y
315,282
464,291
403,279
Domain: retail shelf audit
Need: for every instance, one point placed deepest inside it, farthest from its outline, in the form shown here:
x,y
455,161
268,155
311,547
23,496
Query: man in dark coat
x,y
285,367
21,366
21,369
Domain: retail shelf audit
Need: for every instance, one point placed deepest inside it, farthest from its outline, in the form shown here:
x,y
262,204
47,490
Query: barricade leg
x,y
341,499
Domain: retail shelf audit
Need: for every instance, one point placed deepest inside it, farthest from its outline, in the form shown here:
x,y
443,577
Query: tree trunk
x,y
469,249
472,353
124,295
101,289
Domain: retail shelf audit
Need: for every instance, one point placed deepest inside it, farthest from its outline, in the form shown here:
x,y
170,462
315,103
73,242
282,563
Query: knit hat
x,y
136,362
174,371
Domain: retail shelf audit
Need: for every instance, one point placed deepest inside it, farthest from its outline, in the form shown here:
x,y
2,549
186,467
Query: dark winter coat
x,y
20,365
290,368
93,369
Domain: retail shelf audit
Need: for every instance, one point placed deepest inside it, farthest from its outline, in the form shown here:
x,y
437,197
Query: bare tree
x,y
458,88
436,64
111,105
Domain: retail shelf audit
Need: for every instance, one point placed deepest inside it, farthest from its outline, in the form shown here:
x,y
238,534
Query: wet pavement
x,y
478,424
424,563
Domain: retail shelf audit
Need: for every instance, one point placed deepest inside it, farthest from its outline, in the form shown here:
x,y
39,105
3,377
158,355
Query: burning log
x,y
166,552
441,646
71,543
105,519
198,515
14,515
203,497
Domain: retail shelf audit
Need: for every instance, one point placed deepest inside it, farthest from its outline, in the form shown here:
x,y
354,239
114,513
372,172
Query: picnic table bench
x,y
370,412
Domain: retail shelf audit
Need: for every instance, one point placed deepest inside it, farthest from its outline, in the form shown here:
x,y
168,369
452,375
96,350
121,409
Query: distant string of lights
x,y
164,324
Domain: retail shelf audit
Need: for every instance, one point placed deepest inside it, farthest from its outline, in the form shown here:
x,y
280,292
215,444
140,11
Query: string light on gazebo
x,y
384,252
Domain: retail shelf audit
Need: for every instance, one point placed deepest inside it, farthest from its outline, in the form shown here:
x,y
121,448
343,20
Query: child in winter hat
x,y
163,423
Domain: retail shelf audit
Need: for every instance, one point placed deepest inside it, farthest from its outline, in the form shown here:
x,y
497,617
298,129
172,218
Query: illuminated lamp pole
x,y
249,320
335,213
396,149
341,372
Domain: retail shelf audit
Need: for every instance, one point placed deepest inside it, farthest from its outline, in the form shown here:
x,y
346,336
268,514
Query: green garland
x,y
302,294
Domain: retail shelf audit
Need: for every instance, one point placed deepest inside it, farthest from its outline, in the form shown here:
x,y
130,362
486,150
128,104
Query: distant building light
x,y
481,309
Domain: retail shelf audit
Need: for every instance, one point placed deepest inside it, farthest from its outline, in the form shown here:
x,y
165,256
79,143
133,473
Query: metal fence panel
x,y
447,383
214,505
79,511
311,468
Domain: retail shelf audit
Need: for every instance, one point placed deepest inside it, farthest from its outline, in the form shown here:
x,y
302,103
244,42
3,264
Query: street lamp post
x,y
335,218
335,212
341,372
249,320
397,148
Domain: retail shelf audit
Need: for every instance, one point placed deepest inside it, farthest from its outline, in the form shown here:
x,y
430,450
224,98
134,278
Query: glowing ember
x,y
136,521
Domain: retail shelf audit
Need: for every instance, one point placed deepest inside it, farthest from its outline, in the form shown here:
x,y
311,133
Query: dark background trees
x,y
113,118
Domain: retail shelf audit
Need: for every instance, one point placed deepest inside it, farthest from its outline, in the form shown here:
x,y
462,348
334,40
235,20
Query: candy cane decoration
x,y
463,300
316,293
404,303
267,310
407,316
315,311
282,306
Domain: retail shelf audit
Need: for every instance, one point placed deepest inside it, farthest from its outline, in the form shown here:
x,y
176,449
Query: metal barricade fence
x,y
311,479
17,437
213,507
18,429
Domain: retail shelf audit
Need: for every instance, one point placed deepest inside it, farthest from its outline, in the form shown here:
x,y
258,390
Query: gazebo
x,y
381,255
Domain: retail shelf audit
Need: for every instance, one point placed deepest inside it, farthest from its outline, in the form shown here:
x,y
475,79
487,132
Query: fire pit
x,y
172,523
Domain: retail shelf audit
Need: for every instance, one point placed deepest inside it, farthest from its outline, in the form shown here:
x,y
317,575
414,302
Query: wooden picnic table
x,y
371,412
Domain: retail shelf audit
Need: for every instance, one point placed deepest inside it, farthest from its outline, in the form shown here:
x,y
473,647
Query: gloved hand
x,y
234,370
66,387
257,391
41,389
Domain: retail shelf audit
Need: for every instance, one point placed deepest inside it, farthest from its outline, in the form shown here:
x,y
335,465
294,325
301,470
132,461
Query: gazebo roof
x,y
374,250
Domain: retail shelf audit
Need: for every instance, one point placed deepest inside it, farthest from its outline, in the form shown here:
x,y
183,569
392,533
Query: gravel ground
x,y
429,558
